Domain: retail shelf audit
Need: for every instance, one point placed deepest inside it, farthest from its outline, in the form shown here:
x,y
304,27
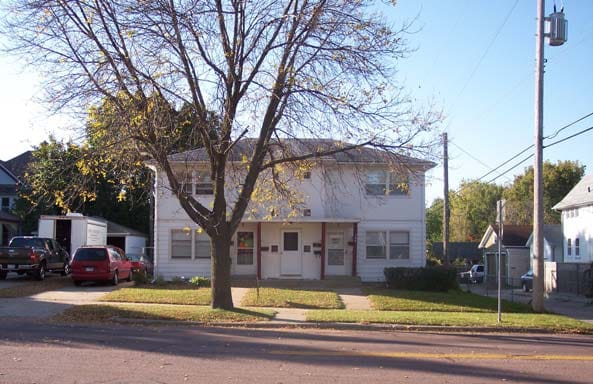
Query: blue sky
x,y
489,104
482,80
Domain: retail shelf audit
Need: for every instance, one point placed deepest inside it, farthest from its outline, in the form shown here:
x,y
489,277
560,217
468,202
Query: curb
x,y
344,326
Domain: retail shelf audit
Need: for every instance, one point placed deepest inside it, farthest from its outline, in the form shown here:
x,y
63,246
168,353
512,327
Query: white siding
x,y
330,193
576,223
372,269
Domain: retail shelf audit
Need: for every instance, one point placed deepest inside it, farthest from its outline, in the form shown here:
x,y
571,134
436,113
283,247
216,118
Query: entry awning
x,y
305,220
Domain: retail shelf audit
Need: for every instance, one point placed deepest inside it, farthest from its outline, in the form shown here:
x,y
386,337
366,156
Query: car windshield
x,y
134,257
90,254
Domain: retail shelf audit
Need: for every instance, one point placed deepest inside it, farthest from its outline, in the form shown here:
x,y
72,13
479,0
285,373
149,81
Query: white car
x,y
475,275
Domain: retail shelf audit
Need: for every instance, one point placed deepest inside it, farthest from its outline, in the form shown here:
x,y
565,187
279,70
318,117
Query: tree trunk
x,y
221,273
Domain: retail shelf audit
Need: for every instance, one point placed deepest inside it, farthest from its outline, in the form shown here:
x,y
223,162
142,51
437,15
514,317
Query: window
x,y
382,183
577,251
375,245
291,241
335,248
568,247
307,175
5,204
245,248
202,246
203,183
180,244
399,245
306,212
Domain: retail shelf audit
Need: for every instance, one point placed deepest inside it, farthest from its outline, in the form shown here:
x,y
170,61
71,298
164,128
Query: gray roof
x,y
580,195
114,229
297,147
552,234
18,164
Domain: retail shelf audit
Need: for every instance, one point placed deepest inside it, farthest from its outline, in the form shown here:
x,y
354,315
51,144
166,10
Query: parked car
x,y
475,275
34,256
100,263
140,263
527,281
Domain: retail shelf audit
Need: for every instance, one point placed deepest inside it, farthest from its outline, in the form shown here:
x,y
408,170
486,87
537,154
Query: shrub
x,y
422,279
200,281
140,278
159,281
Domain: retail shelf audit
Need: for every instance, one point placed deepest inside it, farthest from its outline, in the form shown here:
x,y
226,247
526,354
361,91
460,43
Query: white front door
x,y
291,260
335,263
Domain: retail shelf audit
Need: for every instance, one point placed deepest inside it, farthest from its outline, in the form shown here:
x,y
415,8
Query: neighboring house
x,y
467,251
577,222
128,239
356,217
9,223
515,258
553,248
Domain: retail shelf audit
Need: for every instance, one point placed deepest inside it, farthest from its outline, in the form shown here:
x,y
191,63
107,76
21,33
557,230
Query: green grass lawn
x,y
106,313
453,301
173,293
292,298
33,287
526,321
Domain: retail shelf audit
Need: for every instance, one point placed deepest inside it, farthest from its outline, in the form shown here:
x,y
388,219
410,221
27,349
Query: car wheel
x,y
115,279
77,283
3,275
40,274
129,276
66,270
525,288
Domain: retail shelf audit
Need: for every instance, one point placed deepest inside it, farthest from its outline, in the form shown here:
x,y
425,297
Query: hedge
x,y
422,279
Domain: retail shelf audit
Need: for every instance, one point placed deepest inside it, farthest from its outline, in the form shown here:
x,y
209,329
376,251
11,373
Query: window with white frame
x,y
399,245
245,248
384,183
202,246
180,244
394,245
203,183
577,250
375,245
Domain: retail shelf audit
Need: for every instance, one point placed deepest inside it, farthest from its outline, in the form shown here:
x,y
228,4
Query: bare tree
x,y
267,69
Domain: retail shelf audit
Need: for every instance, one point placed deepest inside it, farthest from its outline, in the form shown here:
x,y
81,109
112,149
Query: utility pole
x,y
557,37
537,301
446,210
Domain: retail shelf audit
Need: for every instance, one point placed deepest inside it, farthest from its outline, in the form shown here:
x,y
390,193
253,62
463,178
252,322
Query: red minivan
x,y
100,263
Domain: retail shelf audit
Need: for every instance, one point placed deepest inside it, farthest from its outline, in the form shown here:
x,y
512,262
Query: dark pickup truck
x,y
34,256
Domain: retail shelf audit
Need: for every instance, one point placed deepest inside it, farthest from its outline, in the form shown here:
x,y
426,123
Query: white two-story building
x,y
356,216
577,222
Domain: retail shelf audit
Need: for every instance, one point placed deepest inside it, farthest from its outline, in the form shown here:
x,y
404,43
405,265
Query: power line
x,y
510,169
569,137
567,126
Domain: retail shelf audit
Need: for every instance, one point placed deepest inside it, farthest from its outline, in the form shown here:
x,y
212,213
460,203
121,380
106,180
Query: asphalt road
x,y
40,353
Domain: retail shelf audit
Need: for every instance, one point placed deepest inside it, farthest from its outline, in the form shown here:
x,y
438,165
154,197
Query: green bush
x,y
440,279
140,278
200,281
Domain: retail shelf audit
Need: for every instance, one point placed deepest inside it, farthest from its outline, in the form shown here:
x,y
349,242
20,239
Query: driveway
x,y
53,302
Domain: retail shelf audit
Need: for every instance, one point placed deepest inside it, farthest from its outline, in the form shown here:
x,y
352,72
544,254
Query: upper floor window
x,y
568,247
577,250
384,183
203,183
